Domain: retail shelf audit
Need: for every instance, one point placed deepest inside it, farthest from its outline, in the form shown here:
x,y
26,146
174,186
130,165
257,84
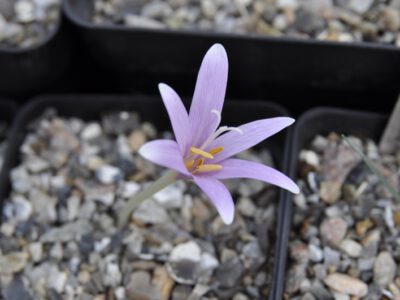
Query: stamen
x,y
189,164
215,151
200,152
208,168
200,162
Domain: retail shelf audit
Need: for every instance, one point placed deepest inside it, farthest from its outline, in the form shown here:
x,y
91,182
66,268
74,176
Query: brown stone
x,y
299,252
330,191
333,230
346,284
339,160
363,226
136,139
396,218
164,282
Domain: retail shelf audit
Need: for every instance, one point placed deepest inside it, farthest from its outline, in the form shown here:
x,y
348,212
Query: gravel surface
x,y
345,239
334,20
59,239
25,23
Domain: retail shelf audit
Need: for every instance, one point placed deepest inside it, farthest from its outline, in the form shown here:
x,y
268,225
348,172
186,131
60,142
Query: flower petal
x,y
165,153
253,133
219,195
177,114
238,168
209,94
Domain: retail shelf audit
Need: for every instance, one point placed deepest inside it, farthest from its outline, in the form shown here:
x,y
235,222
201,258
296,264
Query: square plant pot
x,y
319,121
257,63
24,71
150,109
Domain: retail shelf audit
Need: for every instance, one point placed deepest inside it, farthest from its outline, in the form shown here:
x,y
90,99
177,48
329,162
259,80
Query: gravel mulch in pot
x,y
25,23
342,21
345,239
59,238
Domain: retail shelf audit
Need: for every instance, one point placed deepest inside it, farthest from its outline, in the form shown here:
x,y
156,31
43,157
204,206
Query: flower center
x,y
194,162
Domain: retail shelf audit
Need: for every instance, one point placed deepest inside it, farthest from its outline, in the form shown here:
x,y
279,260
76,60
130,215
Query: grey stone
x,y
188,265
108,174
229,273
49,275
20,179
22,208
151,213
139,286
316,254
171,196
91,131
112,274
36,164
307,22
16,290
198,292
73,207
181,292
360,6
36,251
142,22
25,11
351,248
320,271
384,269
13,262
246,207
209,8
44,206
333,230
366,264
308,296
331,257
128,189
68,232
56,251
156,10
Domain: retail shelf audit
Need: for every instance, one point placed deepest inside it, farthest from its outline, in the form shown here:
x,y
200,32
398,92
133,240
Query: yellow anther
x,y
217,150
208,168
200,162
198,151
189,164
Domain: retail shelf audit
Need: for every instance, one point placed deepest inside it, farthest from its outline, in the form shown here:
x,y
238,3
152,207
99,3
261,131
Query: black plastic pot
x,y
258,64
27,70
150,109
313,122
8,111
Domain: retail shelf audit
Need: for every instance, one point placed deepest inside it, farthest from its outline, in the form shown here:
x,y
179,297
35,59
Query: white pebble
x,y
25,11
91,131
108,174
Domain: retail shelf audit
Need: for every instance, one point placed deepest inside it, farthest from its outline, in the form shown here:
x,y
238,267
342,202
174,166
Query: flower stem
x,y
373,169
164,181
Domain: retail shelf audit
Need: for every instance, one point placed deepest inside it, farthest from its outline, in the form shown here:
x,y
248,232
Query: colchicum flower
x,y
203,149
